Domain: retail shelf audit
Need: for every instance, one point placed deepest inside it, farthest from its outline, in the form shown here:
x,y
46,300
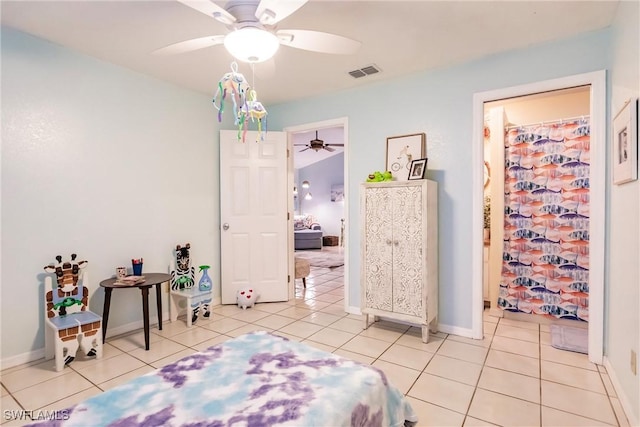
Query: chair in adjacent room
x,y
302,269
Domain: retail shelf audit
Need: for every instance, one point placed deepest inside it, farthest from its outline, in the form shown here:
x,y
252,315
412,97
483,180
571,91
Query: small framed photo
x,y
418,168
624,142
401,151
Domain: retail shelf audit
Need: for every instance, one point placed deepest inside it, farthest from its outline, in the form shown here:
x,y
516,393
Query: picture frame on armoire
x,y
624,143
401,151
417,169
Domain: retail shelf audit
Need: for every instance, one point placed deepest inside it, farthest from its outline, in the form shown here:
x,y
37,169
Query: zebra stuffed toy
x,y
183,277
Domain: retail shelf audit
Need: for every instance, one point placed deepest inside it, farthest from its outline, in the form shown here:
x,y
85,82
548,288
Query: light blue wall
x,y
104,162
322,175
623,294
438,103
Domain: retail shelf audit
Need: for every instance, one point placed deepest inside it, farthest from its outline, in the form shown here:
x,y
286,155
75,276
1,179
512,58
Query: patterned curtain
x,y
545,267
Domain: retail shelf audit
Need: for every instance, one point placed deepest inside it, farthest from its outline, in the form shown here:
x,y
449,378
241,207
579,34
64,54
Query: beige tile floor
x,y
513,377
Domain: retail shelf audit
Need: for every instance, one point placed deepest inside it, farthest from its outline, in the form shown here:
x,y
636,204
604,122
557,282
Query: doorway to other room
x,y
536,243
539,187
318,178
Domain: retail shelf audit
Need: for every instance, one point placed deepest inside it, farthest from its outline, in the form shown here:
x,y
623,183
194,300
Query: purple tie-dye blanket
x,y
257,379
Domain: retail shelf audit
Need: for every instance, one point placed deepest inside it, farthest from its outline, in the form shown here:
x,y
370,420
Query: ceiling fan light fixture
x,y
251,44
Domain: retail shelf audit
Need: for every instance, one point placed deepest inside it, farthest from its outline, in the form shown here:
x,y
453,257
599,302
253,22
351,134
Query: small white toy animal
x,y
246,297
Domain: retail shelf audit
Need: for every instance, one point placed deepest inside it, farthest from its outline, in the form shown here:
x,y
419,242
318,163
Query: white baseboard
x,y
352,309
138,324
19,359
455,330
30,356
123,329
624,400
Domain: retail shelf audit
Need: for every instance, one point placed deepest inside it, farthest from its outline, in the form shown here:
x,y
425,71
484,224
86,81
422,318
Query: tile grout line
x,y
484,364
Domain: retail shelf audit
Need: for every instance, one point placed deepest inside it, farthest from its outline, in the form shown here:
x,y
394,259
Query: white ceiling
x,y
400,37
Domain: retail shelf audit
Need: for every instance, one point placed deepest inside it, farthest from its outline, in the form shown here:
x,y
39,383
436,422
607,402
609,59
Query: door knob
x,y
225,226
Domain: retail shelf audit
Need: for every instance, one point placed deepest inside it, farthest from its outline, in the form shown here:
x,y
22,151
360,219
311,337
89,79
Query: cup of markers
x,y
137,266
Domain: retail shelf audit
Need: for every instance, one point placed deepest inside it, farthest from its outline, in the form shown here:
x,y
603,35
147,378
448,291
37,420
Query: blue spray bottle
x,y
205,283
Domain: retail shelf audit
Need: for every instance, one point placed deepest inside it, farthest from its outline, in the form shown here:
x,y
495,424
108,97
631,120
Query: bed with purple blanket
x,y
257,379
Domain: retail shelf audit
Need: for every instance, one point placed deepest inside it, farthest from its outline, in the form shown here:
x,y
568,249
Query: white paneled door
x,y
253,215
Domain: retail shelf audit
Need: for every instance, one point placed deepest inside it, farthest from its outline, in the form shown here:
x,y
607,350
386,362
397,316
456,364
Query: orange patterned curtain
x,y
545,268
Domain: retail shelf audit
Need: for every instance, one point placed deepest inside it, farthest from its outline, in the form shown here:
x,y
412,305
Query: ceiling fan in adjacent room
x,y
253,36
318,144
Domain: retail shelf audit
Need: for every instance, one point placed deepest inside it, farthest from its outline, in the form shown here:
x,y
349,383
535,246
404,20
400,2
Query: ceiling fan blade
x,y
304,150
317,41
335,145
189,45
329,148
270,12
210,9
301,145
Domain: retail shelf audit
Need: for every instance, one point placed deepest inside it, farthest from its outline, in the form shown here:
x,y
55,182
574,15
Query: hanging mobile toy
x,y
254,110
234,84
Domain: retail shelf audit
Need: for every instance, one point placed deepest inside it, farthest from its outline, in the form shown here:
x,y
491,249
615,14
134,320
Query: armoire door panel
x,y
378,250
408,278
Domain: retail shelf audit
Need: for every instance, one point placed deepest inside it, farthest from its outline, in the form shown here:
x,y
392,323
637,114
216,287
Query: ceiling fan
x,y
253,36
318,144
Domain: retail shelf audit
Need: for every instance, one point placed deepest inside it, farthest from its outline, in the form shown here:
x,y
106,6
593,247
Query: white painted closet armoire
x,y
400,252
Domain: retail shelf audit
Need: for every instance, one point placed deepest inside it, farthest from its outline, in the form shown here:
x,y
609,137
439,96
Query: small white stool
x,y
303,268
193,298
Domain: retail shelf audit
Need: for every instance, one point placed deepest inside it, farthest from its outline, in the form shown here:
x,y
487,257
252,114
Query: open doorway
x,y
319,205
536,257
595,84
